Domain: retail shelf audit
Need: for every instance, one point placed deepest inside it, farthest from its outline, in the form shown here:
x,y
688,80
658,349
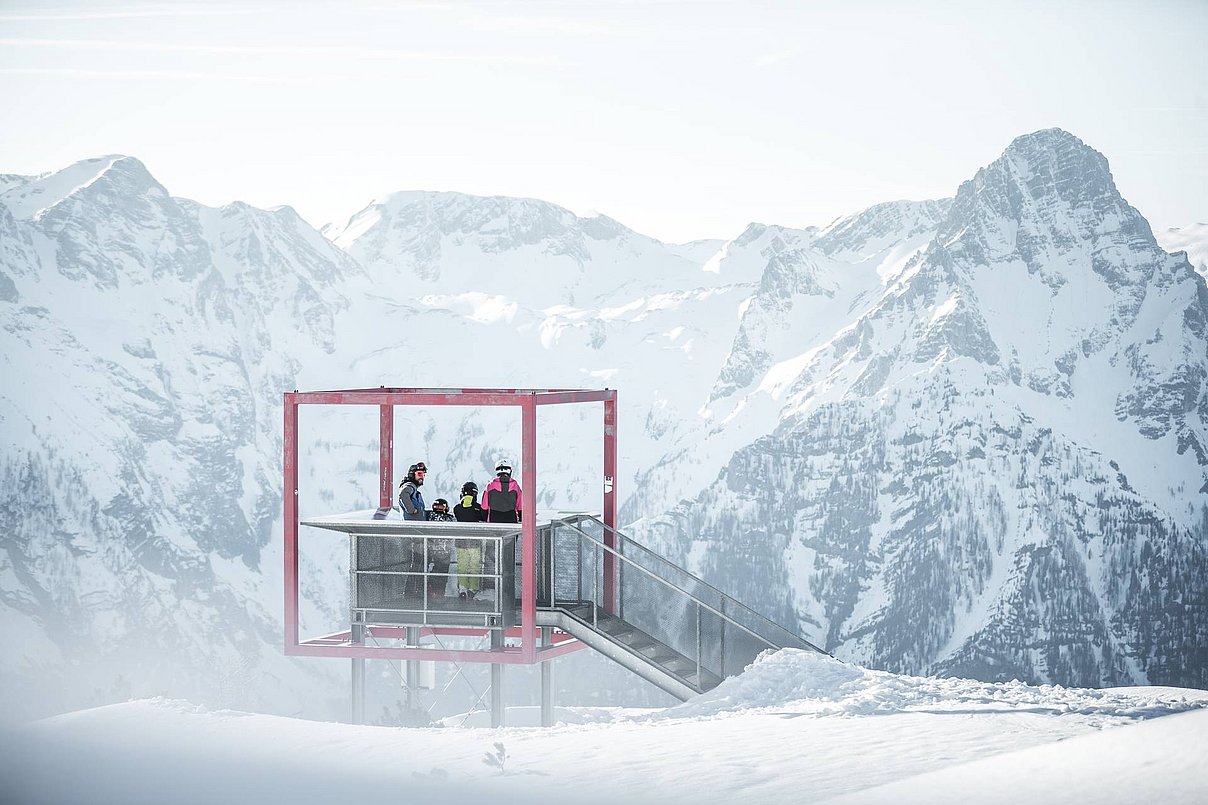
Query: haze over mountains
x,y
964,435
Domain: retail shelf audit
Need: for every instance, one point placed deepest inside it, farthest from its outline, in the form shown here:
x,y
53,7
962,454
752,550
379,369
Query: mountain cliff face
x,y
151,338
962,435
996,468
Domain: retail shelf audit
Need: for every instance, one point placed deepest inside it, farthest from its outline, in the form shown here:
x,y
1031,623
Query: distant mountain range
x,y
964,435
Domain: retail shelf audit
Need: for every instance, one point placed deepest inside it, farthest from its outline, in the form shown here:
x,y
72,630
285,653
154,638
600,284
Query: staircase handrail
x,y
697,579
567,522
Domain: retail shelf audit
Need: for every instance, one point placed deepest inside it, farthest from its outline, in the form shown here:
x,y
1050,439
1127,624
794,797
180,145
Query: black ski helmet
x,y
469,488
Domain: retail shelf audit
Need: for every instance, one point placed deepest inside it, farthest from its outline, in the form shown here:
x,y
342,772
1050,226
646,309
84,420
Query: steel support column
x,y
413,669
496,682
358,677
547,680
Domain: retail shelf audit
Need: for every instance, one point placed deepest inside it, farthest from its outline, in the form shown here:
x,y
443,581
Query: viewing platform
x,y
555,583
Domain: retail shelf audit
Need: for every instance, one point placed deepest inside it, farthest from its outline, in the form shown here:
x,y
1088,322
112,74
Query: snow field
x,y
796,727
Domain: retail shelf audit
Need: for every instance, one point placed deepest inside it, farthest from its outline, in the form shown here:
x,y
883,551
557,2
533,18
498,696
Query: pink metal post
x,y
386,455
528,530
290,491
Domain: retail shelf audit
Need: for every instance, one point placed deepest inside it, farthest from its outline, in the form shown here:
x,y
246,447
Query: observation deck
x,y
555,583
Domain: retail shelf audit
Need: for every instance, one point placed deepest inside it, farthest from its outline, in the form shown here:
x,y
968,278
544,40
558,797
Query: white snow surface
x,y
795,727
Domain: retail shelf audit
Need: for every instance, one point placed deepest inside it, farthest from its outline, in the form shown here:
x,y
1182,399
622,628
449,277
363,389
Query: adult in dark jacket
x,y
411,504
502,499
410,499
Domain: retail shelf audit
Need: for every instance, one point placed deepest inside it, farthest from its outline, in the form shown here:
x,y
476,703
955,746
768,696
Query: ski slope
x,y
795,727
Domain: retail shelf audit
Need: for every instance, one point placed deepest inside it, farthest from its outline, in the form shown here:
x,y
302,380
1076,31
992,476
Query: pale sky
x,y
682,120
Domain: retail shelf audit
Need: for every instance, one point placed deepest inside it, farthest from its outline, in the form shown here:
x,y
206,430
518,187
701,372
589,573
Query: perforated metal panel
x,y
465,579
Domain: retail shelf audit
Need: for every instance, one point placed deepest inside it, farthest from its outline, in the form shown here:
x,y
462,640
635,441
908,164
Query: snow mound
x,y
1159,761
806,682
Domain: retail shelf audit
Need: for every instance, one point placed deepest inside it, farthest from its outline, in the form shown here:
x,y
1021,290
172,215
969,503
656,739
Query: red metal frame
x,y
340,644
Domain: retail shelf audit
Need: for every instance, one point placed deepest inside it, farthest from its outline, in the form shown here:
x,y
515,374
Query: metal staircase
x,y
644,612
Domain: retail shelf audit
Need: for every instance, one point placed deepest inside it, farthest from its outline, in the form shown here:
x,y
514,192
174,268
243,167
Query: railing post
x,y
699,679
610,498
722,625
289,492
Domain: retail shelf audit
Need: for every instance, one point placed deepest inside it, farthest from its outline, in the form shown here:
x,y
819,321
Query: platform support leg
x,y
496,681
547,680
412,671
357,714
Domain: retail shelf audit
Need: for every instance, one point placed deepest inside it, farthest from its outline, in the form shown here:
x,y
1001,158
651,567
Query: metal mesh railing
x,y
424,579
717,634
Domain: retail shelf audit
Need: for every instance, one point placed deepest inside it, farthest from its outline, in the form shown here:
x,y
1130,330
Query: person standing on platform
x,y
410,499
469,551
411,504
440,551
502,499
467,509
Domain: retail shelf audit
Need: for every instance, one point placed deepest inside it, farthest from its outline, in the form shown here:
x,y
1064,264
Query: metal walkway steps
x,y
644,612
632,648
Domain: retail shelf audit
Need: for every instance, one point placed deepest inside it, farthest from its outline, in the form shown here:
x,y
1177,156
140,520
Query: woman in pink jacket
x,y
501,500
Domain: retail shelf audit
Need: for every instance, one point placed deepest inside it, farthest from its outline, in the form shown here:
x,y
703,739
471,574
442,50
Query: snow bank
x,y
1159,761
794,728
808,682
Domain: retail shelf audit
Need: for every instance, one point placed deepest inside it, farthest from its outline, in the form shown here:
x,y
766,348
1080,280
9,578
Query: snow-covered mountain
x,y
995,466
145,339
955,435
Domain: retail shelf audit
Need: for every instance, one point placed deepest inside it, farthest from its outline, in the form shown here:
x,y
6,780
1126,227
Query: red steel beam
x,y
510,656
400,633
451,397
449,390
557,398
558,649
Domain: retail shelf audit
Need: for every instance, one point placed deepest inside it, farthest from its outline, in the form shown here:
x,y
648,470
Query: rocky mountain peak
x,y
97,180
1049,202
